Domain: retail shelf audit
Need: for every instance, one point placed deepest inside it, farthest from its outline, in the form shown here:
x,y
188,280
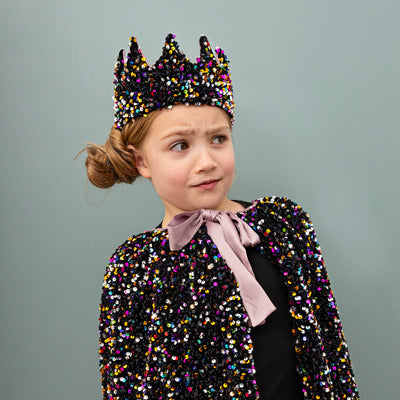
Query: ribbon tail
x,y
258,310
256,302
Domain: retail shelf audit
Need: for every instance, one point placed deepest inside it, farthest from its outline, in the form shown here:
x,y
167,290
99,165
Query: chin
x,y
210,204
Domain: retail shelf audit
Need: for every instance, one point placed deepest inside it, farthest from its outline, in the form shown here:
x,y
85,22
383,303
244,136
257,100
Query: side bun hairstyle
x,y
114,162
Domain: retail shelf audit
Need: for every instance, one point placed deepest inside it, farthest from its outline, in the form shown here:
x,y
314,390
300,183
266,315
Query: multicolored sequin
x,y
140,88
173,326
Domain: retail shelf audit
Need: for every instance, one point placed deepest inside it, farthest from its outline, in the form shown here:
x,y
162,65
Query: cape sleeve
x,y
336,373
323,357
122,329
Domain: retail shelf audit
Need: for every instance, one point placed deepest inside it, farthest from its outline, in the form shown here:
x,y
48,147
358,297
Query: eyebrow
x,y
176,131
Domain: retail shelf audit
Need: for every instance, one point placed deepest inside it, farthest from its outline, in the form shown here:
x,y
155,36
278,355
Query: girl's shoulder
x,y
139,246
277,208
282,220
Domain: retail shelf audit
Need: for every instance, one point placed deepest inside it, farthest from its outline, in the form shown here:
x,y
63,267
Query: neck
x,y
229,205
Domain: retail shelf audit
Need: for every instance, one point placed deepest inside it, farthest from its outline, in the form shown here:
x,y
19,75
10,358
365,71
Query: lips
x,y
208,184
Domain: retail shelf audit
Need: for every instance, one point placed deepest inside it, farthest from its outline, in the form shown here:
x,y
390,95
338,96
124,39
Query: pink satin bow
x,y
231,235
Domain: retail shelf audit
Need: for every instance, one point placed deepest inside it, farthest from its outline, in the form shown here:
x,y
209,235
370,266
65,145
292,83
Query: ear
x,y
140,162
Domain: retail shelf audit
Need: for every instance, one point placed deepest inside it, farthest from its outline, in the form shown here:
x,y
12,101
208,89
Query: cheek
x,y
229,164
170,176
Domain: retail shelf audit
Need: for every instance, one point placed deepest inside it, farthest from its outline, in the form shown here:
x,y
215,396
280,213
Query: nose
x,y
205,161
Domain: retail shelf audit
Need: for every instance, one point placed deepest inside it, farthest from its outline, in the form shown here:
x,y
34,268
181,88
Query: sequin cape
x,y
172,324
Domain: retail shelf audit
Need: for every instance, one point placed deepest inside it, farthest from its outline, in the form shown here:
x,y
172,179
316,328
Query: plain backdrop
x,y
317,92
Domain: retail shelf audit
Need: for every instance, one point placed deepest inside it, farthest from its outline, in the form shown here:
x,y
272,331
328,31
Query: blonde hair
x,y
113,162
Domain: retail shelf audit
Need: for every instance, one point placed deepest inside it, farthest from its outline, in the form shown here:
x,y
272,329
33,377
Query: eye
x,y
219,139
180,146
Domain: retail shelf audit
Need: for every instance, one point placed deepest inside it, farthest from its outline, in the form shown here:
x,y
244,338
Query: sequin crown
x,y
140,88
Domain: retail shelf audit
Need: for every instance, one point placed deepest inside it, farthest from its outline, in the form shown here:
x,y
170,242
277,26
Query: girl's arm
x,y
323,358
319,311
123,316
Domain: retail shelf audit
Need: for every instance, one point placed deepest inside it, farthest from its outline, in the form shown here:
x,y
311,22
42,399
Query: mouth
x,y
208,184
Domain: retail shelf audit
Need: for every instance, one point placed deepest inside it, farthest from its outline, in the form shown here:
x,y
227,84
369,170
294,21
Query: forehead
x,y
190,117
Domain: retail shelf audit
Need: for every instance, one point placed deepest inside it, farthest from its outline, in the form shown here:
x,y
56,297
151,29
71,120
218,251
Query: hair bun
x,y
111,163
114,162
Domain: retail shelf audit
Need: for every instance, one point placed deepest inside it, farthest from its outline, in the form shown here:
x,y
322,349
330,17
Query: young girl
x,y
225,299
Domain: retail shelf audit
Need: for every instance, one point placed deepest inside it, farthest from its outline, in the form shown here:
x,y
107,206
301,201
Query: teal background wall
x,y
317,91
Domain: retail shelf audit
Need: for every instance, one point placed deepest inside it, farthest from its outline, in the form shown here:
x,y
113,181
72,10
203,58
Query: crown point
x,y
170,38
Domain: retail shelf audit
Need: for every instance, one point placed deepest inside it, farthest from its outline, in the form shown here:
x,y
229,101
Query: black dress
x,y
274,354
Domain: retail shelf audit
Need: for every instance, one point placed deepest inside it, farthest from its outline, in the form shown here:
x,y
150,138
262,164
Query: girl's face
x,y
188,155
